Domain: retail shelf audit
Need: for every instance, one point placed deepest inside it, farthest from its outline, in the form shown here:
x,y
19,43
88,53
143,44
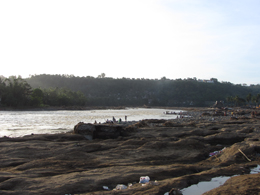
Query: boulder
x,y
98,131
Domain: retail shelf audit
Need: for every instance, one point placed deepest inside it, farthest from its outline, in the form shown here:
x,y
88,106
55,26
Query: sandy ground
x,y
173,153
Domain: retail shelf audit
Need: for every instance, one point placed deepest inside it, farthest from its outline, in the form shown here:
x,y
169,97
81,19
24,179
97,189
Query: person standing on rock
x,y
125,118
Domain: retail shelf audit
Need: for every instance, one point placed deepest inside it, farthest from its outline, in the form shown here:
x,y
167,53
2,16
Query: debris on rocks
x,y
120,187
216,152
105,188
144,179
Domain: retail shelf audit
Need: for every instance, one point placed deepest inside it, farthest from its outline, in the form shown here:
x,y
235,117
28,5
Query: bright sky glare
x,y
132,38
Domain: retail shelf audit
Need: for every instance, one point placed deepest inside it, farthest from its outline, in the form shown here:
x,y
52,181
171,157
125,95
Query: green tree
x,y
249,98
257,98
239,101
2,88
102,75
37,97
230,100
63,97
17,92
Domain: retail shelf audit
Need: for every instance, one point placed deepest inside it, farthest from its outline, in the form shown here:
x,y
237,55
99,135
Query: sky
x,y
147,39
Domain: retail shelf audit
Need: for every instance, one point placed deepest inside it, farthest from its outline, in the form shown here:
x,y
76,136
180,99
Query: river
x,y
20,123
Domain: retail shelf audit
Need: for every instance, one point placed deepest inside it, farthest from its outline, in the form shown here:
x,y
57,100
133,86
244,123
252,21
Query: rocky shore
x,y
175,154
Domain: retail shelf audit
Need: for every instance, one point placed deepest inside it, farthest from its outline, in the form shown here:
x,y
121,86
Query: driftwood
x,y
244,155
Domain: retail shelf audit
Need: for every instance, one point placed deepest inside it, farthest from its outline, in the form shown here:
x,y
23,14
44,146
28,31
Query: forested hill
x,y
104,91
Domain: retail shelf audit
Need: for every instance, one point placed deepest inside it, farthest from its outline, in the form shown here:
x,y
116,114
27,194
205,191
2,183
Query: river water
x,y
20,123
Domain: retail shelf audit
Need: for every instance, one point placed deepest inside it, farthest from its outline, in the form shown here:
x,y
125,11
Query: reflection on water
x,y
205,186
20,123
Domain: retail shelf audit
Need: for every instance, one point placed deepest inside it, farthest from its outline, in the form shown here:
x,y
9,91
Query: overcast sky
x,y
132,38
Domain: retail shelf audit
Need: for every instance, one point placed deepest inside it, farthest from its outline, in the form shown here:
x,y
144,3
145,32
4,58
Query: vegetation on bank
x,y
69,90
16,92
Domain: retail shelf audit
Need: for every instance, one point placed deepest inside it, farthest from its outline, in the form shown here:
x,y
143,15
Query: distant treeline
x,y
17,92
69,90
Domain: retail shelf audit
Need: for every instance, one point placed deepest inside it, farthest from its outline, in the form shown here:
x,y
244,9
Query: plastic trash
x,y
216,152
105,188
120,187
144,179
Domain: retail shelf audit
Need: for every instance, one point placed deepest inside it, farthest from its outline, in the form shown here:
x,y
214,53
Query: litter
x,y
216,152
144,179
105,188
255,170
120,187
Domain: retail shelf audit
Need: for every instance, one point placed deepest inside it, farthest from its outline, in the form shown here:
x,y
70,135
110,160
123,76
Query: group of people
x,y
115,121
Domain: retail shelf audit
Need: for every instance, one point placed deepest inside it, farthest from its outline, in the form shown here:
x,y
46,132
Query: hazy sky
x,y
132,38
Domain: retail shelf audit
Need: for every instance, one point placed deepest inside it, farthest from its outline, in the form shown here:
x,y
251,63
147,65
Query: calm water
x,y
20,123
204,186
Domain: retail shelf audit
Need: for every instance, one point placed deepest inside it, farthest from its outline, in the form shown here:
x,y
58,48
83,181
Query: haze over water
x,y
20,123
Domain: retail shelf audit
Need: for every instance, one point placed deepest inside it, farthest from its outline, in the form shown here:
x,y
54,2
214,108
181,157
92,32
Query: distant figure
x,y
95,122
125,118
114,120
119,120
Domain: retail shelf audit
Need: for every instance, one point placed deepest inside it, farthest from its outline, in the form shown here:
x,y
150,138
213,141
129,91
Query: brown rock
x,y
177,156
98,131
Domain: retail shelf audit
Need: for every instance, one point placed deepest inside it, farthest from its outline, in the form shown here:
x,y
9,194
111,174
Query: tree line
x,y
17,92
251,100
69,90
105,91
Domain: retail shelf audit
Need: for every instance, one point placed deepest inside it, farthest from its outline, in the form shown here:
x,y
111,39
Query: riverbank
x,y
175,153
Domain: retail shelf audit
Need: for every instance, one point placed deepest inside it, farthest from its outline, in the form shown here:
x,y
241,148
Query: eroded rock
x,y
98,131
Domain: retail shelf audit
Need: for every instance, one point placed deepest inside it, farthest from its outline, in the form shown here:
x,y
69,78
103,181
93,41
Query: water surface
x,y
20,123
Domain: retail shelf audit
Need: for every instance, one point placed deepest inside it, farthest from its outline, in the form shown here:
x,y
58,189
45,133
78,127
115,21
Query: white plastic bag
x,y
144,179
105,188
